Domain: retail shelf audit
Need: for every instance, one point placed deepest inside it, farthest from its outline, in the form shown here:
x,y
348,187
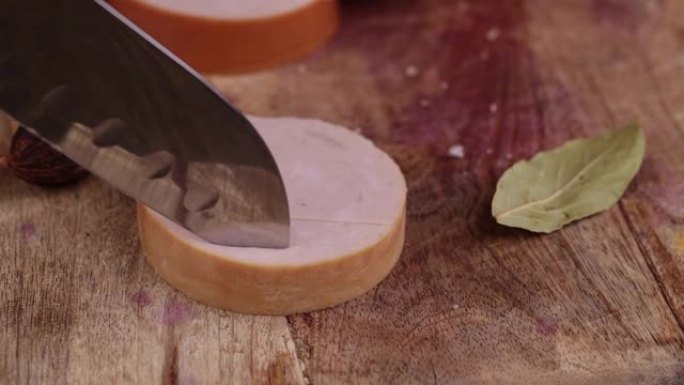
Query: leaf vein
x,y
560,191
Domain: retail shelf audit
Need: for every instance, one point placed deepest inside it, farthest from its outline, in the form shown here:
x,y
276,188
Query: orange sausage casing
x,y
217,45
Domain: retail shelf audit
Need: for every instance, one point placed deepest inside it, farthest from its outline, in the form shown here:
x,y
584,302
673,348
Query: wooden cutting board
x,y
600,302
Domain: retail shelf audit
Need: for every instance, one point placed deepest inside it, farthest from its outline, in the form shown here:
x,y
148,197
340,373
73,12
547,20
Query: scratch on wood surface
x,y
278,370
170,376
649,70
645,255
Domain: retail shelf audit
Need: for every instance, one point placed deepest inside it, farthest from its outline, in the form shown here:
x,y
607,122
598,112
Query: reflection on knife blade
x,y
83,78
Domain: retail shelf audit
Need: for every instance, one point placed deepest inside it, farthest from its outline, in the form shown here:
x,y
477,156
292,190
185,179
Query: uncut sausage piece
x,y
234,36
230,9
347,204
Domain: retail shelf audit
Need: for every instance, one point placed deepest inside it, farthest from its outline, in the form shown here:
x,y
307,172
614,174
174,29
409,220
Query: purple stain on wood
x,y
546,326
620,13
474,109
474,65
308,319
188,379
141,298
488,90
175,313
27,231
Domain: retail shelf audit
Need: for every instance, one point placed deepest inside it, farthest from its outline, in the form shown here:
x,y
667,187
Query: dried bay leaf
x,y
573,181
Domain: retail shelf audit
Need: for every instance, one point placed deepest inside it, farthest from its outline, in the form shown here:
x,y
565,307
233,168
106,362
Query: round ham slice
x,y
347,204
232,36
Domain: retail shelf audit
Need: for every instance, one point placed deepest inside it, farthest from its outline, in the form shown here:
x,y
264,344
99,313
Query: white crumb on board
x,y
455,307
493,108
456,151
411,71
493,34
489,151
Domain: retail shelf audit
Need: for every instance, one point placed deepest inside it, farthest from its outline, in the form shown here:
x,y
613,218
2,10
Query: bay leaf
x,y
578,179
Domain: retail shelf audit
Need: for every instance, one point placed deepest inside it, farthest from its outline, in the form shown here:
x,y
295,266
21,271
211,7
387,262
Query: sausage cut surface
x,y
347,205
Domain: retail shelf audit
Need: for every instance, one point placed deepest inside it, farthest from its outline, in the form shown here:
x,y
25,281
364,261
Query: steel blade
x,y
86,80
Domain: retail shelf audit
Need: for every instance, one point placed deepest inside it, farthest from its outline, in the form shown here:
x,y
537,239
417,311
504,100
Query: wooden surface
x,y
470,302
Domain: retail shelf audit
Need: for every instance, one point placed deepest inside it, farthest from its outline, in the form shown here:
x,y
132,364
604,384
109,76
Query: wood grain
x,y
79,305
600,302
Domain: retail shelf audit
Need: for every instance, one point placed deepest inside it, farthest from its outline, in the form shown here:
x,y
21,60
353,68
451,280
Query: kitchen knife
x,y
83,78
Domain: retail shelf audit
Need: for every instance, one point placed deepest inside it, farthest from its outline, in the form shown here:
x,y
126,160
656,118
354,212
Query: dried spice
x,y
34,161
578,179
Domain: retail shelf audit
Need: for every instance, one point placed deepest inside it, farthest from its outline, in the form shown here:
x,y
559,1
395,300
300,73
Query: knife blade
x,y
85,79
